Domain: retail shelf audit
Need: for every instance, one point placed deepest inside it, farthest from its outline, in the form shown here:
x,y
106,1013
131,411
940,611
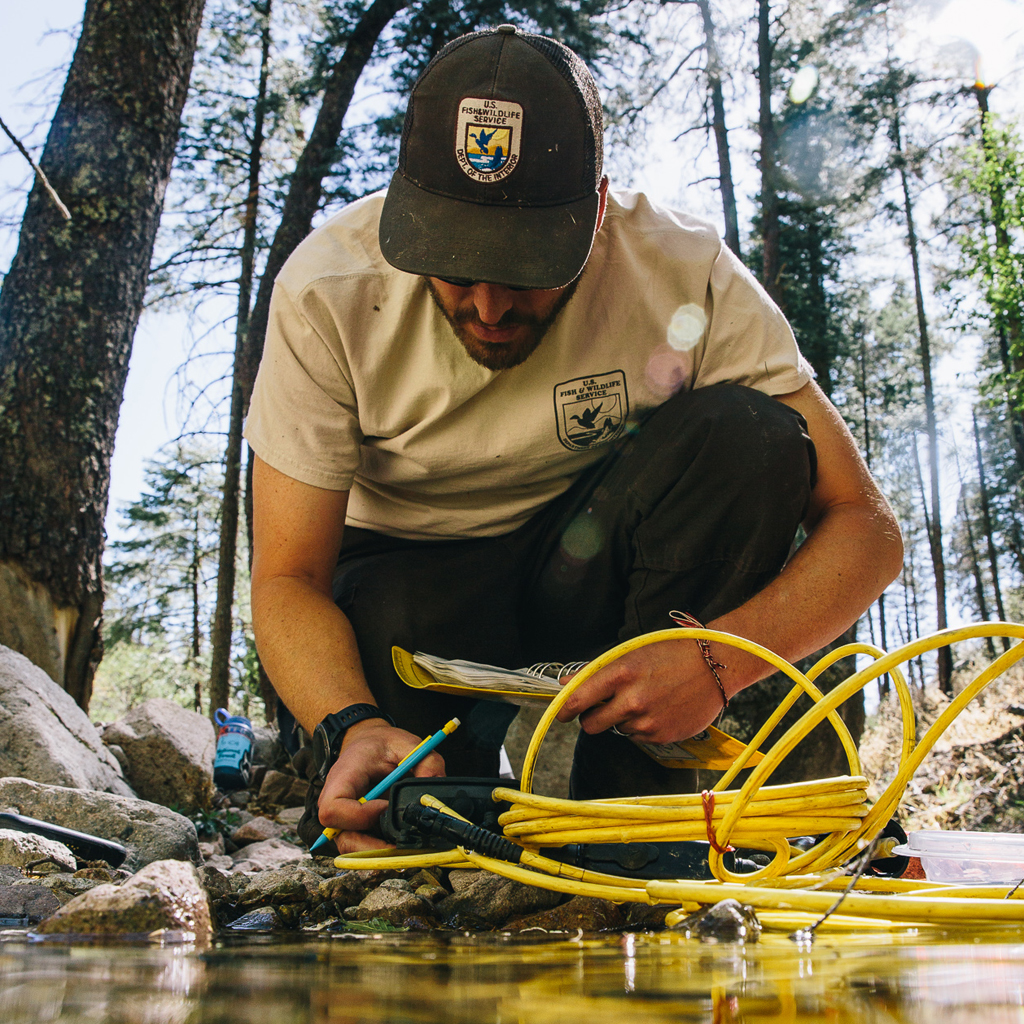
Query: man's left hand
x,y
659,693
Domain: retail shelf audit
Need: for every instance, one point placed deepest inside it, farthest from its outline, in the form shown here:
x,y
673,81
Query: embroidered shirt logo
x,y
487,138
591,410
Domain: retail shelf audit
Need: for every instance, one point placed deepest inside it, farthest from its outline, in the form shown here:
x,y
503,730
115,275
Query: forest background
x,y
863,159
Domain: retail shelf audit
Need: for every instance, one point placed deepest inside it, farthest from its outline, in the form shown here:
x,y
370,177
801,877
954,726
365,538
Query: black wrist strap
x,y
330,733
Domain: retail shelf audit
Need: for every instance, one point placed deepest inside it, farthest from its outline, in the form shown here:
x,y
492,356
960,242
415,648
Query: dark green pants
x,y
696,510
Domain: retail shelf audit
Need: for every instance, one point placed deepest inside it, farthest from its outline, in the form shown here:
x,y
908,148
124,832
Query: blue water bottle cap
x,y
220,716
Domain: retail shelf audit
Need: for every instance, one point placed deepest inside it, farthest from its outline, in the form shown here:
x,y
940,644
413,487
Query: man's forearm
x,y
850,557
308,648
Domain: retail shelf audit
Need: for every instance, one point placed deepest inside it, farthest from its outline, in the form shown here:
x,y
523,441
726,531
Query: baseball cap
x,y
500,164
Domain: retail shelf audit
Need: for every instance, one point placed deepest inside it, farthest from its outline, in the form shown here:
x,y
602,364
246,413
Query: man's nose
x,y
492,301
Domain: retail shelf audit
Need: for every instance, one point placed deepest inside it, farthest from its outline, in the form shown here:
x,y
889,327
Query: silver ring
x,y
618,732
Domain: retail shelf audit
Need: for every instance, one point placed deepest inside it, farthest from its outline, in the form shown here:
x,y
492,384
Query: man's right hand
x,y
370,751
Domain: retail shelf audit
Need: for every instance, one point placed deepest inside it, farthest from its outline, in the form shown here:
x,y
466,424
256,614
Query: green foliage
x,y
992,248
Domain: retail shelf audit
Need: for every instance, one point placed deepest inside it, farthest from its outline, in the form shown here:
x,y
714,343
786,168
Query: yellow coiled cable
x,y
757,815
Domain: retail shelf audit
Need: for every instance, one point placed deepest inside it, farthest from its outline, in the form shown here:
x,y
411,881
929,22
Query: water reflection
x,y
419,979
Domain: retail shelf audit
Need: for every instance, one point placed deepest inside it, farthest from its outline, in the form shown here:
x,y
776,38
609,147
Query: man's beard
x,y
501,355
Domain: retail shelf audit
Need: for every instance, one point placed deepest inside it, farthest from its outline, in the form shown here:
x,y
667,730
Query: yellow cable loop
x,y
797,885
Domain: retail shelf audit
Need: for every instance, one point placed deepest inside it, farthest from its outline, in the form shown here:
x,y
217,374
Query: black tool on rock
x,y
82,845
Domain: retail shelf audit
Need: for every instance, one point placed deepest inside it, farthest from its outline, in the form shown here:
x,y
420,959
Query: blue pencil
x,y
405,766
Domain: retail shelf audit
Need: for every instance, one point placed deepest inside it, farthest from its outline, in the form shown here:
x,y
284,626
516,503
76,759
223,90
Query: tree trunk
x,y
221,629
725,185
68,312
301,204
986,522
944,655
771,269
979,583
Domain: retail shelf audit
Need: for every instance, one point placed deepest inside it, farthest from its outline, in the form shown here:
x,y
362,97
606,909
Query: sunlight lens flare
x,y
805,81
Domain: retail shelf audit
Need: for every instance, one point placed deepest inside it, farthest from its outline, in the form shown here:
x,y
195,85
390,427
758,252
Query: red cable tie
x,y
707,798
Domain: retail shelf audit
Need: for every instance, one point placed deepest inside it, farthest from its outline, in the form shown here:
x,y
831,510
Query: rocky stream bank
x,y
200,861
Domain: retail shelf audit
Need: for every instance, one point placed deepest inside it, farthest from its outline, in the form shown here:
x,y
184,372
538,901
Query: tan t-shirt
x,y
364,386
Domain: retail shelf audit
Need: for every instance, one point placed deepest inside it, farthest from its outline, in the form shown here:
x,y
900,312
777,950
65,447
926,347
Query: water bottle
x,y
233,763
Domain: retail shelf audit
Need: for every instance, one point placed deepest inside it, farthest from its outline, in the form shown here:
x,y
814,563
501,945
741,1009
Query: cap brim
x,y
522,246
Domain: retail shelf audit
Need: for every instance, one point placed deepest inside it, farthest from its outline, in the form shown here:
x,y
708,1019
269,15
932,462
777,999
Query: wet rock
x,y
103,874
218,884
274,888
170,753
45,736
66,887
256,831
432,893
345,890
28,903
262,919
581,912
270,854
148,831
462,878
727,921
399,884
644,917
390,904
240,798
493,899
20,849
163,895
425,877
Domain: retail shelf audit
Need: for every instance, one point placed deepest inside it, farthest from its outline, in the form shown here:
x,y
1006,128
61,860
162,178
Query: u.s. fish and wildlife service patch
x,y
591,410
488,135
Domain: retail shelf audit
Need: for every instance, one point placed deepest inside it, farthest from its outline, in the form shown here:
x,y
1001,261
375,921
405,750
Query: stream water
x,y
421,979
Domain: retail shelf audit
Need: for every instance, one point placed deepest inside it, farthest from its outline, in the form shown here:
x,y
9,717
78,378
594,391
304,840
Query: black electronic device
x,y
470,797
82,845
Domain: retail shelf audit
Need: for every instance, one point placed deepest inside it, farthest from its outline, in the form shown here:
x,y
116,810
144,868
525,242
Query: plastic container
x,y
232,767
968,858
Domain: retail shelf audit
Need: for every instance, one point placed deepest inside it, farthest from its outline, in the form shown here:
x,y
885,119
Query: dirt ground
x,y
974,776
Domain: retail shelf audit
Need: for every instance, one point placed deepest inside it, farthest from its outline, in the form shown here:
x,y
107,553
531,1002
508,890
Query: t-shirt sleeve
x,y
303,418
749,341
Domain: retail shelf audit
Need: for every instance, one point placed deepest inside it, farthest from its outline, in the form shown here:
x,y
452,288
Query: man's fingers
x,y
350,815
598,688
430,767
351,842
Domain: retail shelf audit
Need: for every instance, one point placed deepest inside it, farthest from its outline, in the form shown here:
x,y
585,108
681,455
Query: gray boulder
x,y
269,855
164,896
148,831
46,736
169,751
21,849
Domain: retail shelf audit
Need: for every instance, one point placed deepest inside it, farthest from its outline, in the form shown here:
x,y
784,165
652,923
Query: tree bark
x,y
221,629
725,183
986,522
771,268
68,312
944,655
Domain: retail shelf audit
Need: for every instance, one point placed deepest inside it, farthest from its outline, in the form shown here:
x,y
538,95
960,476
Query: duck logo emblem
x,y
591,410
487,138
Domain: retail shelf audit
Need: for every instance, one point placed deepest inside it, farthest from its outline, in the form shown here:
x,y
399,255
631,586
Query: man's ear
x,y
603,191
